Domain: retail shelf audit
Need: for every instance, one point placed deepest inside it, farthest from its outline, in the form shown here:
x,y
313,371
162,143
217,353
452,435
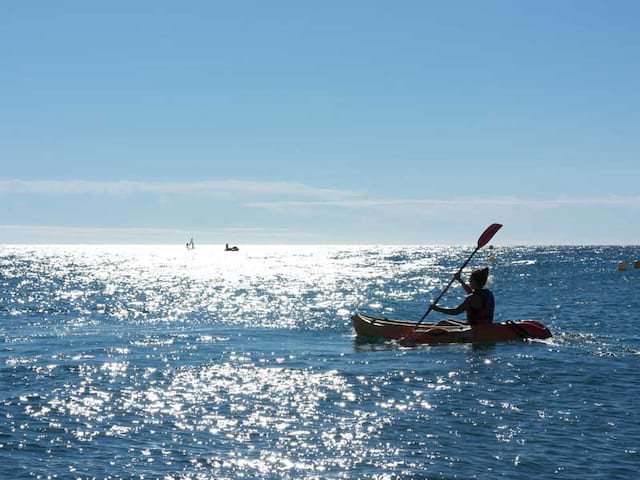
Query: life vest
x,y
484,314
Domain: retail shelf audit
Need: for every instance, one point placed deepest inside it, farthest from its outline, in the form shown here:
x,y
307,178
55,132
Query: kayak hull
x,y
433,334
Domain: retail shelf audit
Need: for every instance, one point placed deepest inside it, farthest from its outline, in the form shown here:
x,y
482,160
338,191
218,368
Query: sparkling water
x,y
159,362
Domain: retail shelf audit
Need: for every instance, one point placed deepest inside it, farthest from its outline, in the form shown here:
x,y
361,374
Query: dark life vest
x,y
484,314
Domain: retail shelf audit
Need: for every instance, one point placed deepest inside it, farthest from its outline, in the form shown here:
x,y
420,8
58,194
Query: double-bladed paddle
x,y
485,238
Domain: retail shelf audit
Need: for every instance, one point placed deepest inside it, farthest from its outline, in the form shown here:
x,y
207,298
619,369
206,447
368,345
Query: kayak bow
x,y
430,333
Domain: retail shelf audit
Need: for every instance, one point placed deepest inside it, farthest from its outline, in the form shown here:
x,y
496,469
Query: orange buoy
x,y
622,266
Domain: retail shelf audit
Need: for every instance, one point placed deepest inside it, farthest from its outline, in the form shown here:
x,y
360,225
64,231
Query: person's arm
x,y
473,301
450,311
466,287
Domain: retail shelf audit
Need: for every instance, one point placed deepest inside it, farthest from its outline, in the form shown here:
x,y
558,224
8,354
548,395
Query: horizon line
x,y
322,244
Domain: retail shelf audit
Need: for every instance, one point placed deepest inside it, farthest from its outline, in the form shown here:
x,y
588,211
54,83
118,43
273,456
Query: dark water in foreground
x,y
156,362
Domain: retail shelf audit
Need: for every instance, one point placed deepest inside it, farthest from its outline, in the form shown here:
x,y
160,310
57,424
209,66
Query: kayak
x,y
433,334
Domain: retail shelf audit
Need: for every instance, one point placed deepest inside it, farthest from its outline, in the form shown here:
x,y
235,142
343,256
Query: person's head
x,y
479,278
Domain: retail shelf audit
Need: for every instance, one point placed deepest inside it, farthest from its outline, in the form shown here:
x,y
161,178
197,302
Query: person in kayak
x,y
479,304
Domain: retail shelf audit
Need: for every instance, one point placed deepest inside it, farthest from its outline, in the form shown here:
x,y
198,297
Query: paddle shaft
x,y
447,287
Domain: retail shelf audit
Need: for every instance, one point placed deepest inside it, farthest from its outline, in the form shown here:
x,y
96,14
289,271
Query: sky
x,y
334,122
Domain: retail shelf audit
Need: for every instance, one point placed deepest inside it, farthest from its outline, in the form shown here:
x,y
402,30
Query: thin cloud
x,y
610,201
304,196
204,188
12,234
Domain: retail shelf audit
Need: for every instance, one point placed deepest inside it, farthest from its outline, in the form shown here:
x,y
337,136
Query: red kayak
x,y
432,334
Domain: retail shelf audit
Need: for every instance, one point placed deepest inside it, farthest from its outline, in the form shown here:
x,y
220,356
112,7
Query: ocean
x,y
159,362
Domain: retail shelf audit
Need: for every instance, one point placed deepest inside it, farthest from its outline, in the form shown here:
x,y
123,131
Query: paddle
x,y
485,238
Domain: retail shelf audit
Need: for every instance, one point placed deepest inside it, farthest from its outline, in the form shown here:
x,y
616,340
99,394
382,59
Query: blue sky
x,y
319,122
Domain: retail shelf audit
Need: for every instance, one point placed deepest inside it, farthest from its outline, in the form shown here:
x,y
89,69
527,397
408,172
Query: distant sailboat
x,y
190,245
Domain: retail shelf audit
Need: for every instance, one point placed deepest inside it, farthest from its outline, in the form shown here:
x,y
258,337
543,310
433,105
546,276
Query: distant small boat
x,y
190,245
227,248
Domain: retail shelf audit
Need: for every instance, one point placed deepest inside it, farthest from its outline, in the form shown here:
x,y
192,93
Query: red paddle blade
x,y
488,234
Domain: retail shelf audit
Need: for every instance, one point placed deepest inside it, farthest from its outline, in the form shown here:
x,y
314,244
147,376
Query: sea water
x,y
158,362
